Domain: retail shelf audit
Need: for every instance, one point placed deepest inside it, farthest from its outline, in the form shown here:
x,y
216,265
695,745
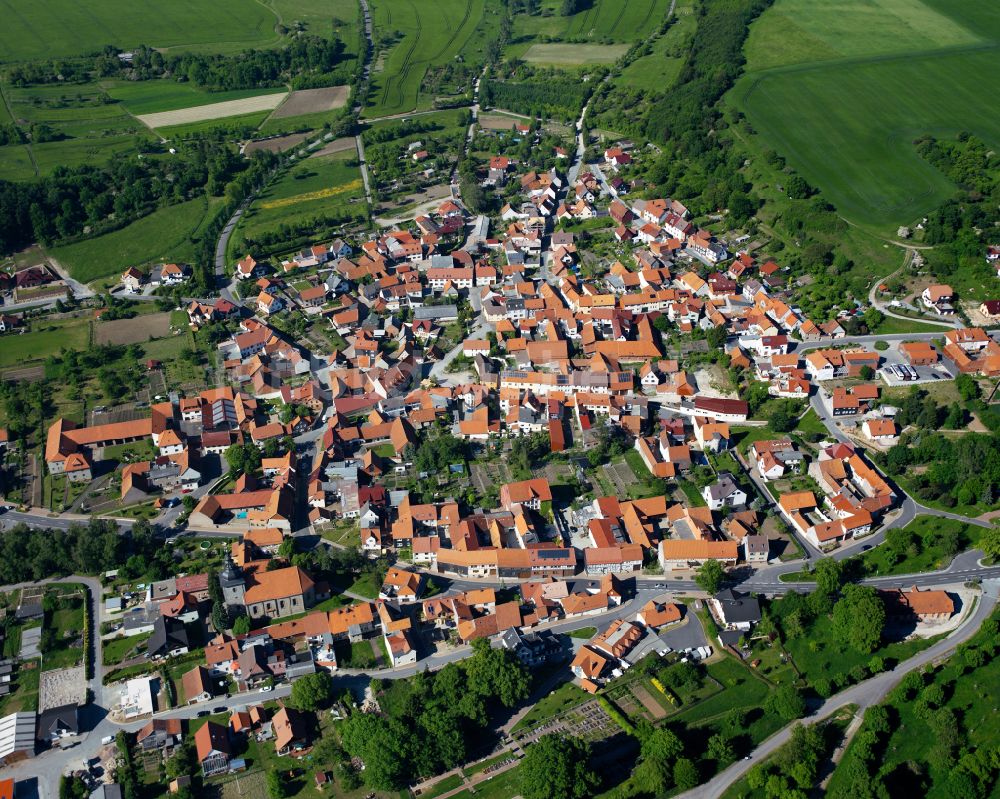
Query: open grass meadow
x,y
322,17
599,21
659,69
431,35
841,92
574,55
46,337
60,28
316,187
803,31
89,125
168,234
157,96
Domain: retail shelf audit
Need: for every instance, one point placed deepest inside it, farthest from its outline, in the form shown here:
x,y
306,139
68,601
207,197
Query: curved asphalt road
x,y
864,695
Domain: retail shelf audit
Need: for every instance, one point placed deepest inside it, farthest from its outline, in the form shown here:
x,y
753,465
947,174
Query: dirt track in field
x,y
200,113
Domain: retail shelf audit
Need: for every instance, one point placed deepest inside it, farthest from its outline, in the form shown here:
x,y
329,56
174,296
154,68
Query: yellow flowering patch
x,y
322,194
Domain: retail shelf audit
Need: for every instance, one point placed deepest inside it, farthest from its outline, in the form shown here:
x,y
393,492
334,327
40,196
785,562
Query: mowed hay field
x,y
846,120
169,234
432,33
62,28
202,113
574,54
155,96
601,20
321,186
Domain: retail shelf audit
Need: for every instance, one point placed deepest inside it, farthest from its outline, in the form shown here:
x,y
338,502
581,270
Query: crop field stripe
x,y
321,194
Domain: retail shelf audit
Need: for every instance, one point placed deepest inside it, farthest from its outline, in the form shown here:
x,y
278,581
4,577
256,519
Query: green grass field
x,y
58,28
164,235
803,31
602,20
91,128
432,33
573,55
659,69
842,91
321,17
46,338
154,96
235,125
312,188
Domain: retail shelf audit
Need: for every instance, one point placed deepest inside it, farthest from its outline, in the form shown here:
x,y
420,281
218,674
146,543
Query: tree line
x,y
304,62
92,199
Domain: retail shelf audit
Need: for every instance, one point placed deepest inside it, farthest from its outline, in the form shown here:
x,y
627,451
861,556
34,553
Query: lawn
x,y
128,453
691,491
503,786
366,585
818,654
565,697
90,128
931,557
847,125
59,28
163,236
584,632
67,626
324,186
810,423
24,694
449,783
118,649
47,337
358,655
892,325
432,33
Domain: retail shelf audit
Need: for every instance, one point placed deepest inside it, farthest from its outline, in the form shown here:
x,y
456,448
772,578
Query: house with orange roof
x,y
615,558
937,297
279,592
291,733
213,749
529,493
919,353
687,554
658,614
589,664
246,268
882,431
618,640
923,605
401,585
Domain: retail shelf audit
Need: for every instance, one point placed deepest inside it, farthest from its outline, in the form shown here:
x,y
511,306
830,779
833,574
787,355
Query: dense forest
x,y
305,62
